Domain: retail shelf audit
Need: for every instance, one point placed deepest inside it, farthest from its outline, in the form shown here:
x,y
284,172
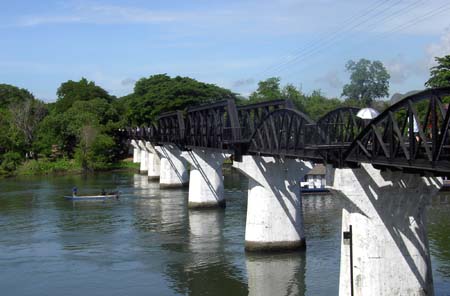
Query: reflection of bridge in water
x,y
387,169
200,264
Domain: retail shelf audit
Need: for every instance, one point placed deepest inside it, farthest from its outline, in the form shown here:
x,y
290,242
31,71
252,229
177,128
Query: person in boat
x,y
74,191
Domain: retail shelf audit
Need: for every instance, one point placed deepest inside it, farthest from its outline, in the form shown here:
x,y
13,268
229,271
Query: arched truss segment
x,y
334,133
251,115
284,132
339,126
171,128
212,126
411,135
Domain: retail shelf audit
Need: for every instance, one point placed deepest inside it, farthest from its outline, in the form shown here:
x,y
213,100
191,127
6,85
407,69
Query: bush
x,y
9,162
45,166
98,155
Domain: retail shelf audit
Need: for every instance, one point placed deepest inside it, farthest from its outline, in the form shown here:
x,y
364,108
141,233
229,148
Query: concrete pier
x,y
144,158
388,239
136,151
206,178
274,208
173,168
154,163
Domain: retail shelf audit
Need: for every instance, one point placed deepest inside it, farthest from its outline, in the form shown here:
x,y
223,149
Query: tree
x,y
368,81
440,74
79,104
10,94
317,105
26,117
161,93
268,89
72,91
20,114
290,92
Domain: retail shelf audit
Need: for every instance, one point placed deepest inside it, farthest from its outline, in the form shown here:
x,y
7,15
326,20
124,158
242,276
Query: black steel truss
x,y
212,126
412,135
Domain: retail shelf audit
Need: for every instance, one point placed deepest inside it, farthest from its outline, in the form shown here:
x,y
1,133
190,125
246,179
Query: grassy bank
x,y
65,166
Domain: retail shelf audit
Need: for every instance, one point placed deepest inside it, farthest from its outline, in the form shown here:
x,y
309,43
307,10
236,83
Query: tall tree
x,y
10,94
440,74
72,91
368,81
290,92
80,103
26,117
161,93
268,89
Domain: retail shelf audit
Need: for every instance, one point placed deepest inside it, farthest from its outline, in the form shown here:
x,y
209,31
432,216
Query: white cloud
x,y
331,79
128,81
401,70
243,83
439,49
102,14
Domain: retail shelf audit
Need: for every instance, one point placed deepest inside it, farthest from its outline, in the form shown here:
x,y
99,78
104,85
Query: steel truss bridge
x,y
411,136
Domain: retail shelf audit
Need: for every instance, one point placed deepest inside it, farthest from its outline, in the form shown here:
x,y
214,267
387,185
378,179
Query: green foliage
x,y
268,89
72,91
440,74
45,166
20,113
315,105
368,81
79,104
95,151
10,95
160,93
9,162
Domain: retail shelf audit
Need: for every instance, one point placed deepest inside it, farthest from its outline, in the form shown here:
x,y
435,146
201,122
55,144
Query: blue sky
x,y
233,44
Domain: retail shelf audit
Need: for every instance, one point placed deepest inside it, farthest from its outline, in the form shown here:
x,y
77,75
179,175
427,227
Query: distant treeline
x,y
81,127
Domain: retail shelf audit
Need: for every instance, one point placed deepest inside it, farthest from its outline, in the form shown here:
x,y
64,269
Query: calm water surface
x,y
149,243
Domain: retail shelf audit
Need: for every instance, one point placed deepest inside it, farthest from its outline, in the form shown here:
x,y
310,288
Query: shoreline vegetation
x,y
64,166
84,129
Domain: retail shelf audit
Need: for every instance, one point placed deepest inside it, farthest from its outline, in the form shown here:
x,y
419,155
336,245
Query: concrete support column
x,y
153,162
136,151
144,158
389,244
173,167
206,178
274,208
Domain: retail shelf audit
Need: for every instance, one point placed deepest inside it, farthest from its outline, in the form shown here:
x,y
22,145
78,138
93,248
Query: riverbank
x,y
64,166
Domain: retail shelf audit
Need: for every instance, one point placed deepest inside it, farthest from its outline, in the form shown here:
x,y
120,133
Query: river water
x,y
149,243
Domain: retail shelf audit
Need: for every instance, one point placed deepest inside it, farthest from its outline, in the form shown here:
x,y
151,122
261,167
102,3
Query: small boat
x,y
314,190
92,197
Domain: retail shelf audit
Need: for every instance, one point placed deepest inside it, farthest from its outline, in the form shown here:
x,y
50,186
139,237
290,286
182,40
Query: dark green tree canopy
x,y
71,91
440,74
268,89
161,93
10,95
368,81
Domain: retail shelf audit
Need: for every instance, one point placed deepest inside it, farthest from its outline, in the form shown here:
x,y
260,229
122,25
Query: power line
x,y
408,24
324,46
327,35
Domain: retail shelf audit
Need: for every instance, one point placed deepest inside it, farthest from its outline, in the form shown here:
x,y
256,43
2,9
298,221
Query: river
x,y
149,243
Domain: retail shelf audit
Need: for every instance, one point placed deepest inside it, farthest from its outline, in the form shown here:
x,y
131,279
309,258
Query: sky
x,y
233,44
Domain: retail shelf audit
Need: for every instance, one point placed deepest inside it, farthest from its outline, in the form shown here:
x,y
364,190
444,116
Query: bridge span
x,y
387,168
